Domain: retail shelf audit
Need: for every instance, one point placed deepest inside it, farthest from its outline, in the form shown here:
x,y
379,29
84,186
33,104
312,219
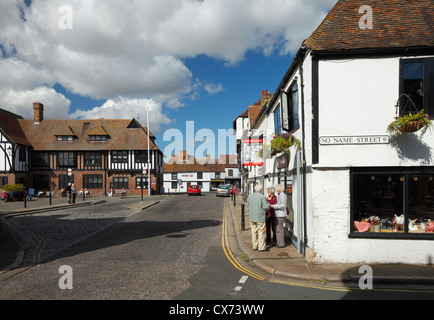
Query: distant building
x,y
183,170
96,154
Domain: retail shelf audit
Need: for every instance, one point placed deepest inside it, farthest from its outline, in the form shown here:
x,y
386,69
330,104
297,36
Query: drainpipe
x,y
300,63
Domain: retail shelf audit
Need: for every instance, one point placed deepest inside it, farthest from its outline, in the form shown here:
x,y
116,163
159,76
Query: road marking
x,y
228,252
243,279
238,289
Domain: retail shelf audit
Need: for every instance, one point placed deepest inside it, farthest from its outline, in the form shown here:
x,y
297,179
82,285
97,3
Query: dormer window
x,y
65,134
97,138
64,138
98,135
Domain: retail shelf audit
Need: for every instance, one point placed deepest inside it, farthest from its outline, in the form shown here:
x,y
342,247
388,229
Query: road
x,y
175,250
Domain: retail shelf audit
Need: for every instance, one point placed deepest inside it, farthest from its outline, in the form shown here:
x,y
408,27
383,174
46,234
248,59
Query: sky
x,y
194,65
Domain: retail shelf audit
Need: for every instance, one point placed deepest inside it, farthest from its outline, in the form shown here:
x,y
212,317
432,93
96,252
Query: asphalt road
x,y
172,251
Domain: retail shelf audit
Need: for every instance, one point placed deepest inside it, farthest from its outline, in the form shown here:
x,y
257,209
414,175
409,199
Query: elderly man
x,y
257,206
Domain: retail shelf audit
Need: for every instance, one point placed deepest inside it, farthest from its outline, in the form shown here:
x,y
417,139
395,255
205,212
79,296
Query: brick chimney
x,y
38,112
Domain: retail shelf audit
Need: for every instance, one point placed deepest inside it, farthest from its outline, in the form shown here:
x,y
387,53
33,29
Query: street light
x,y
149,167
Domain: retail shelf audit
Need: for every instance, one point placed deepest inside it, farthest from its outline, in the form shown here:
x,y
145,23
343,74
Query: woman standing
x,y
270,216
280,213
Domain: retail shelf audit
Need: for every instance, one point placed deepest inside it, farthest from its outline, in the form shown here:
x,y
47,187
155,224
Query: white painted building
x,y
338,98
183,170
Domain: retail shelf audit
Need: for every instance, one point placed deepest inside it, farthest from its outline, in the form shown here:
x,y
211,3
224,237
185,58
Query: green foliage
x,y
283,143
14,188
410,123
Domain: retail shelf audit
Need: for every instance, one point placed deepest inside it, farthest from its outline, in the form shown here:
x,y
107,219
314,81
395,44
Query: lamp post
x,y
149,167
141,184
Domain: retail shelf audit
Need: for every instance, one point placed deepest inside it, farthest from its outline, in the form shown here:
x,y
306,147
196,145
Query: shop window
x,y
394,203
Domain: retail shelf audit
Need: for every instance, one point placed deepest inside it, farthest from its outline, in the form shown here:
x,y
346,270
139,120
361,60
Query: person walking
x,y
73,192
280,212
257,206
270,218
68,191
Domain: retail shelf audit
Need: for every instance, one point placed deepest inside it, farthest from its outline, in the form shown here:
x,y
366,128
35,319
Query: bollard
x,y
243,223
234,200
50,198
25,201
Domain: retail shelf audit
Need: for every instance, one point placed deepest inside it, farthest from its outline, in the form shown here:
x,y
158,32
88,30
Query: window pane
x,y
413,75
378,204
421,203
277,122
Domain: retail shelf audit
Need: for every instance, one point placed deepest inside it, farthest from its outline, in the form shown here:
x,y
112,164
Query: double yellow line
x,y
227,250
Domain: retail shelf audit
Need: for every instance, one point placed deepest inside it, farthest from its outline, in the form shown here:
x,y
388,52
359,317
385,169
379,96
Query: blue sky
x,y
187,60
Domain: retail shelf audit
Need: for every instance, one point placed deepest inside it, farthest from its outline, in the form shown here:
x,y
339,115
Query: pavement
x,y
288,262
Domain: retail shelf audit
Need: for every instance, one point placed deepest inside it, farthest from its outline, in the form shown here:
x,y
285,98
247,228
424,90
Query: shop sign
x,y
251,149
358,140
282,162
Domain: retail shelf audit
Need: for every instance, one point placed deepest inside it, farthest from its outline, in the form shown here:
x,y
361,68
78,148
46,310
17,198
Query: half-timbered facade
x,y
98,155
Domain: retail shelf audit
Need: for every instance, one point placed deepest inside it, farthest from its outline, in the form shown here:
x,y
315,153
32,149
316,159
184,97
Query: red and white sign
x,y
251,150
69,172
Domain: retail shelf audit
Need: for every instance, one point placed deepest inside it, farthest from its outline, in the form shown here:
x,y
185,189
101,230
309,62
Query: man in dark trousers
x,y
68,191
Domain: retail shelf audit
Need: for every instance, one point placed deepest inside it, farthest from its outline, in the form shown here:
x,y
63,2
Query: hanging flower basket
x,y
280,144
283,143
410,123
411,126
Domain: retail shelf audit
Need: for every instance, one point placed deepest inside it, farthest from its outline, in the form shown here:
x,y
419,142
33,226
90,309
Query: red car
x,y
194,190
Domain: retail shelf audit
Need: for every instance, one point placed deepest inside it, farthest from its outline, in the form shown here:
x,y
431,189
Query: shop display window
x,y
395,203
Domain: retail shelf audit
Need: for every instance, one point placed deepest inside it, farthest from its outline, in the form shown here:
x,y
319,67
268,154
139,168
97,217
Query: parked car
x,y
194,189
223,191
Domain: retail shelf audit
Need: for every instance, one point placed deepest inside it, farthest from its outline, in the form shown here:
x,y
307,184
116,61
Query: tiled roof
x,y
256,109
396,24
190,164
10,126
99,131
42,136
64,131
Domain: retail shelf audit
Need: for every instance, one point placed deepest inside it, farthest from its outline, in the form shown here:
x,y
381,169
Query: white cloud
x,y
134,49
212,88
124,108
56,106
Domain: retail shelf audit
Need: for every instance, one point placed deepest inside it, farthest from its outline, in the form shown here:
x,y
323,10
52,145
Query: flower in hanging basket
x,y
410,123
283,143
